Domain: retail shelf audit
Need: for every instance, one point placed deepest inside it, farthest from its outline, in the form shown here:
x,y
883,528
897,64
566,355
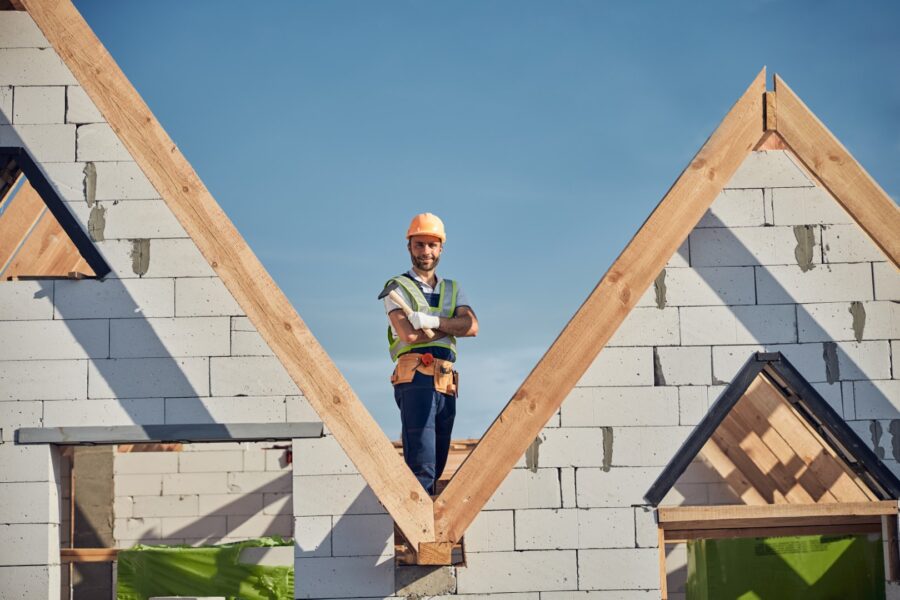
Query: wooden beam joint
x,y
435,553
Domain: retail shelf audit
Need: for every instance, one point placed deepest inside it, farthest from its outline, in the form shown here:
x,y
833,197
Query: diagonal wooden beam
x,y
598,318
839,172
233,261
17,222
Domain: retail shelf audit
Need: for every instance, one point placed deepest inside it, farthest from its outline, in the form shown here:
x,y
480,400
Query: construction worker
x,y
425,383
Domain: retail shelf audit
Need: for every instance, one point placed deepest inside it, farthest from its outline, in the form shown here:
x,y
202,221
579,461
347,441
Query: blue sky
x,y
543,133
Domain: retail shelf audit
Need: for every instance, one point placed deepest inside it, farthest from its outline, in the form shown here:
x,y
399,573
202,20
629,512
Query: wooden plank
x,y
598,318
819,457
7,194
17,221
680,536
730,444
748,415
234,262
663,575
770,110
435,553
47,252
745,513
81,555
838,171
733,476
891,549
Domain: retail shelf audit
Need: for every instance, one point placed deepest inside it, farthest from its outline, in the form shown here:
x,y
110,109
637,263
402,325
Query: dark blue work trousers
x,y
427,417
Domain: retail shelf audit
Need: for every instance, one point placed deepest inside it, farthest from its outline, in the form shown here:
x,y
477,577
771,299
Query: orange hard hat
x,y
427,224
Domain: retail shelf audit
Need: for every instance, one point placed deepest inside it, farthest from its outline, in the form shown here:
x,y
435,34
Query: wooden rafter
x,y
839,172
18,220
234,262
598,318
713,517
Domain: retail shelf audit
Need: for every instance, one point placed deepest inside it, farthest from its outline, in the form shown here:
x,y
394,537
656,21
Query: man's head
x,y
425,241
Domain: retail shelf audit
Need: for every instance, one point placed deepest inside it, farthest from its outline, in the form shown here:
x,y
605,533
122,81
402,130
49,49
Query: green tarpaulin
x,y
147,571
813,567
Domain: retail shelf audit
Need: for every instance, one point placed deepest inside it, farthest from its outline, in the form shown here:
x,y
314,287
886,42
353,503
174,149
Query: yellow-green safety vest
x,y
447,289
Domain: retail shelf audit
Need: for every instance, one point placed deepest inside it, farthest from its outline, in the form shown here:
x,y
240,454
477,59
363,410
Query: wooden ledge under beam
x,y
132,434
747,516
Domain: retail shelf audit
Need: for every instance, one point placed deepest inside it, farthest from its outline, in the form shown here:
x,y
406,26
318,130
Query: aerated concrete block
x,y
748,246
43,380
133,463
48,340
709,286
529,571
876,399
807,206
165,506
618,569
79,107
887,281
123,180
864,360
646,446
135,298
844,321
647,327
848,243
98,142
570,447
567,487
227,409
119,411
363,535
148,377
617,487
768,169
151,258
683,365
210,528
231,504
321,456
29,544
299,410
250,375
826,283
604,595
29,503
491,531
204,297
693,402
735,208
33,66
316,495
809,359
142,484
13,415
574,529
200,483
646,534
344,577
135,219
6,104
721,325
523,488
186,336
312,536
18,30
45,143
259,525
258,482
597,407
26,300
35,582
211,462
620,367
39,105
67,179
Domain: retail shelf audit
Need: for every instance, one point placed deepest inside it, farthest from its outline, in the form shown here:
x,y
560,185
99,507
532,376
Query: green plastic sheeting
x,y
147,571
812,567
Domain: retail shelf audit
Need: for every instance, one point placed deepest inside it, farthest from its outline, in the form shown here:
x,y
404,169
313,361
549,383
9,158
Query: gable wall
x,y
161,340
571,517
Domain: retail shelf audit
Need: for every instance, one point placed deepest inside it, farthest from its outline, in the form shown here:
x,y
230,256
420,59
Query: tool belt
x,y
446,380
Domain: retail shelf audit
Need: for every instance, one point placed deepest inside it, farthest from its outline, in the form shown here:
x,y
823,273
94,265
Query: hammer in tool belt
x,y
391,292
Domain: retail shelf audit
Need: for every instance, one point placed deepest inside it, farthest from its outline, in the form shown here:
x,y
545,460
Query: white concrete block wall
x,y
135,348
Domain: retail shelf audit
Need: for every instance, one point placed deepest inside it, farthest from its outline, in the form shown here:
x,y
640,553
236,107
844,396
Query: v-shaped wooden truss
x,y
432,527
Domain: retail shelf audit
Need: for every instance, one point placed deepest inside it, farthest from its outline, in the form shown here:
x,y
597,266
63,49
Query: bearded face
x,y
425,252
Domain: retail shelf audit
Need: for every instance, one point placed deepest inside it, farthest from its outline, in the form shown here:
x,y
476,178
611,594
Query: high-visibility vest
x,y
447,291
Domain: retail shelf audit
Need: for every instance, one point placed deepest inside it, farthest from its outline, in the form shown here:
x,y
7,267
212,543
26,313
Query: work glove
x,y
420,320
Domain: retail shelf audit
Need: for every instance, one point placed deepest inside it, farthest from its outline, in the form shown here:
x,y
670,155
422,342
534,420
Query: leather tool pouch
x,y
445,378
405,369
